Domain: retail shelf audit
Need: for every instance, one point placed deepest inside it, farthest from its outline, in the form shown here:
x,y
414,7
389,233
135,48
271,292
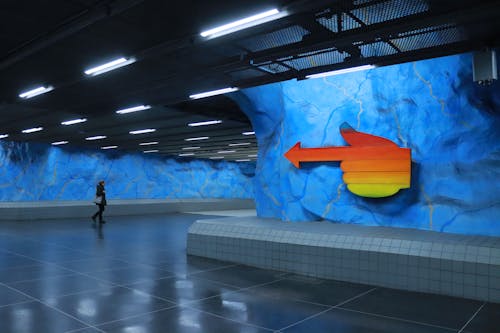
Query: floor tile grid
x,y
187,306
51,276
338,307
326,310
101,280
154,296
472,317
52,307
15,303
127,285
400,319
161,298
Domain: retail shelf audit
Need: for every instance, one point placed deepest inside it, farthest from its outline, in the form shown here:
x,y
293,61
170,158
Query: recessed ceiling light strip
x,y
97,137
248,133
109,66
151,151
74,121
213,93
197,138
3,136
148,143
133,109
58,143
243,23
205,123
32,130
36,92
147,130
340,71
239,144
190,148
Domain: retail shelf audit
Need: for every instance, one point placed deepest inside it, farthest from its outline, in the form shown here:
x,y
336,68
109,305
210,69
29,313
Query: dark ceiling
x,y
52,42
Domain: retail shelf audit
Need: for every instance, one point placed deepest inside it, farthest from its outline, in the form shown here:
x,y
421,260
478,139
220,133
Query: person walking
x,y
100,200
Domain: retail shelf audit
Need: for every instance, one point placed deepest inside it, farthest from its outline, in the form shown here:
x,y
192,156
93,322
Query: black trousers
x,y
99,212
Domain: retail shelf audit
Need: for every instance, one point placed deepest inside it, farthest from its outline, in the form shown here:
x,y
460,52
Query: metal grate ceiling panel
x,y
347,22
318,59
273,68
377,49
390,10
329,23
427,29
273,39
246,74
426,40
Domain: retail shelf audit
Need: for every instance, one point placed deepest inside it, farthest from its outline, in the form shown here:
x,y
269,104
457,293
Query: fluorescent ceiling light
x,y
340,71
35,92
134,109
226,151
148,143
59,143
213,93
243,160
244,23
147,130
109,147
31,130
151,151
3,136
190,148
97,137
252,155
109,66
186,154
198,138
248,133
216,157
205,123
239,144
74,121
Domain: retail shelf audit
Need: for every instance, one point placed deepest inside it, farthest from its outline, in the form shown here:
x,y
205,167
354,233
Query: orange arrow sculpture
x,y
374,167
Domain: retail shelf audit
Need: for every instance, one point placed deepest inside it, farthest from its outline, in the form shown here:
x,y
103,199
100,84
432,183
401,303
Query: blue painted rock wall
x,y
32,172
433,107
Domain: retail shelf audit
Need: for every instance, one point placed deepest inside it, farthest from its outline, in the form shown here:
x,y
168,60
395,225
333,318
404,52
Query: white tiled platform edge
x,y
36,210
449,264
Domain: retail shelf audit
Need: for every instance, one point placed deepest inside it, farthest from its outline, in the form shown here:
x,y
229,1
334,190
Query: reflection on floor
x,y
133,275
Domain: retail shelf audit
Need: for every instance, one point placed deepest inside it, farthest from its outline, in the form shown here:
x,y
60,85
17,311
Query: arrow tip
x,y
292,155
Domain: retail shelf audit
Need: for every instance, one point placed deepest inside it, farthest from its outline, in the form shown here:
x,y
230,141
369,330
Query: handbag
x,y
98,199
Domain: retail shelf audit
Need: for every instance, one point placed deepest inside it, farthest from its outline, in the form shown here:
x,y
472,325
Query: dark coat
x,y
99,191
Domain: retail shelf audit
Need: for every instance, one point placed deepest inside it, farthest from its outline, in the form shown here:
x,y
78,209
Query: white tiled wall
x,y
457,265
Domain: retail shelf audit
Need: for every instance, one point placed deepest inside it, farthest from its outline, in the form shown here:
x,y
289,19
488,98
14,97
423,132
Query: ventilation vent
x,y
390,10
274,39
430,39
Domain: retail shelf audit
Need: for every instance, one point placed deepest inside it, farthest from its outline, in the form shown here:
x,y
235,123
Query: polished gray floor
x,y
132,275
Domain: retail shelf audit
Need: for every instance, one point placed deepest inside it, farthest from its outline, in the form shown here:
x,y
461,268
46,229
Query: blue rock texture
x,y
32,172
433,107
